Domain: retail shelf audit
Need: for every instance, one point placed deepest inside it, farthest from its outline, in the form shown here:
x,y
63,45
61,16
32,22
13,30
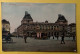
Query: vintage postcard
x,y
39,27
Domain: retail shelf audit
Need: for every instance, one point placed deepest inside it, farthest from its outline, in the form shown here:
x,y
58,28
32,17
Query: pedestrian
x,y
73,38
57,37
53,37
25,37
62,39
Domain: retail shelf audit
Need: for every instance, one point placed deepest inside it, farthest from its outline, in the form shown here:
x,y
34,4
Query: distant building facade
x,y
72,29
42,29
5,27
14,33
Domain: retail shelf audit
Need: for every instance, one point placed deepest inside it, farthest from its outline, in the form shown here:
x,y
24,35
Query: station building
x,y
42,29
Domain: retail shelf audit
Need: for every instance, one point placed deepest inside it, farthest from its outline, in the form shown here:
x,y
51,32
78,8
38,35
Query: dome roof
x,y
61,18
5,21
27,15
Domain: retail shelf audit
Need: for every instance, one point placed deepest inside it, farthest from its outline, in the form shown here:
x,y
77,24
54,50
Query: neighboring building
x,y
14,33
42,29
72,30
5,27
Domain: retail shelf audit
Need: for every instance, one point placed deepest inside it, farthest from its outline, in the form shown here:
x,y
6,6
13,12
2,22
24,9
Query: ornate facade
x,y
42,29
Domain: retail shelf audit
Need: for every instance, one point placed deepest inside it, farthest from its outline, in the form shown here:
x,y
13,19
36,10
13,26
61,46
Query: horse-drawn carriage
x,y
7,38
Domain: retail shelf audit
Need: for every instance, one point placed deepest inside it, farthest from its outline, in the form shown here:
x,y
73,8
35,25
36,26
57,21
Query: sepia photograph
x,y
39,27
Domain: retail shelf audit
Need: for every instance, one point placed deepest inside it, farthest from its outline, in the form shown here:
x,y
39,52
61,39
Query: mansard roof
x,y
61,18
27,15
5,21
72,24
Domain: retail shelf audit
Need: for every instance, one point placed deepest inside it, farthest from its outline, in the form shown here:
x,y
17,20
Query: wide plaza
x,y
40,45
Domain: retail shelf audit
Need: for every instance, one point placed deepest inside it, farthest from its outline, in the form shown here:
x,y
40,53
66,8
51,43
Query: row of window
x,y
45,27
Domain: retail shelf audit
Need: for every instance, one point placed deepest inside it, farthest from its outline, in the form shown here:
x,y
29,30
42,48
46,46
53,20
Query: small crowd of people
x,y
7,38
62,38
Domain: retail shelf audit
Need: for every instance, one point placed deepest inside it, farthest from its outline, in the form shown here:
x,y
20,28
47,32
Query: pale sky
x,y
40,12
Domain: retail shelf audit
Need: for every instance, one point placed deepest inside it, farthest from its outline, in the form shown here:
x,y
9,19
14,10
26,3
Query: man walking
x,y
25,37
73,37
62,39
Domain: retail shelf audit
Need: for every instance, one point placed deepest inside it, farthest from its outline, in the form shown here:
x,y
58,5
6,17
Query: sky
x,y
40,12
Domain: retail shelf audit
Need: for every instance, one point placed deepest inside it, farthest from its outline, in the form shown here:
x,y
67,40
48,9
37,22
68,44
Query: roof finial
x,y
26,12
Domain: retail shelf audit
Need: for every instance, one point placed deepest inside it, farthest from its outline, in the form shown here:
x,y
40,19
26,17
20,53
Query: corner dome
x,y
27,15
61,18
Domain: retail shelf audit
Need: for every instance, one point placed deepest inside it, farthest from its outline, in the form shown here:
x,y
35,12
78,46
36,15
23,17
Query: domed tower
x,y
61,19
27,18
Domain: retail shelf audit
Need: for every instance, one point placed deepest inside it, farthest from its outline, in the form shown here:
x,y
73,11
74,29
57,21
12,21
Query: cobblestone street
x,y
39,45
